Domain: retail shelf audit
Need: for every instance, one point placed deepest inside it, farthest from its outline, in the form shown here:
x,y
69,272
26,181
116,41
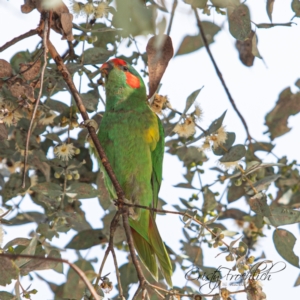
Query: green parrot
x,y
133,139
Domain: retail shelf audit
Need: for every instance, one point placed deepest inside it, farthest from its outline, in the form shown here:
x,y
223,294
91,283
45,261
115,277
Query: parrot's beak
x,y
106,68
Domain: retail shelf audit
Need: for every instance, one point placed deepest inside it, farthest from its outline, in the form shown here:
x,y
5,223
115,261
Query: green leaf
x,y
263,184
53,137
225,4
184,185
8,271
46,231
13,186
287,105
210,202
119,235
6,296
261,146
42,264
296,7
232,213
57,106
104,197
128,275
284,242
283,216
94,56
90,100
18,58
188,155
255,51
82,190
105,35
27,217
49,189
87,239
29,250
271,25
17,241
235,153
74,286
194,253
235,192
190,100
216,124
196,3
134,17
239,22
297,281
227,145
191,43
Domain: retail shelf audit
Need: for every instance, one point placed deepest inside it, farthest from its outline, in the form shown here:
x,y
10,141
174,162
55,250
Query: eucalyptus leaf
x,y
235,153
87,239
239,21
216,124
284,242
227,145
82,190
8,270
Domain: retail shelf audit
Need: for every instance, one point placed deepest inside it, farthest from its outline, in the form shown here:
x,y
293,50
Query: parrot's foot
x,y
89,123
132,214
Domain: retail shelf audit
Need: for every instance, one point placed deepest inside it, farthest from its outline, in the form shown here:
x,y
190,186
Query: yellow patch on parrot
x,y
152,136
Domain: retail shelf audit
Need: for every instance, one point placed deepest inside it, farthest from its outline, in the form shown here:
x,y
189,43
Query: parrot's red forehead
x,y
119,62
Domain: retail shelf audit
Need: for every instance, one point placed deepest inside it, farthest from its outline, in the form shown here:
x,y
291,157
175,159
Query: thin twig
x,y
172,16
135,261
18,38
220,75
45,33
110,248
74,267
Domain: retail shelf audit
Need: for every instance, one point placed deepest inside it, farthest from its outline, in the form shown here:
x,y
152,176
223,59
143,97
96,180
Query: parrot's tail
x,y
154,251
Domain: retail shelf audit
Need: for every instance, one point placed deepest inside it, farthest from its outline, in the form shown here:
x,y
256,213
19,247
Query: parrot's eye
x,y
125,69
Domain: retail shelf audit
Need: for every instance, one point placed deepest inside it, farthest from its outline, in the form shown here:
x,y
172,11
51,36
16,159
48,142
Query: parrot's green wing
x,y
157,161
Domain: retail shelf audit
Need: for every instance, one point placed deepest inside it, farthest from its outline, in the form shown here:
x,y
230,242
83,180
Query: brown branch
x,y
45,33
220,75
18,38
172,16
74,267
104,160
110,248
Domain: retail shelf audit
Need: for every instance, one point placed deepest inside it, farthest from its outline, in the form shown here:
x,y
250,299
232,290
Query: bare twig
x,y
110,248
172,16
45,33
220,75
74,267
18,38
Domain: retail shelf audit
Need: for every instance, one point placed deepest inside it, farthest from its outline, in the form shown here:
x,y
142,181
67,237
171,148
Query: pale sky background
x,y
255,91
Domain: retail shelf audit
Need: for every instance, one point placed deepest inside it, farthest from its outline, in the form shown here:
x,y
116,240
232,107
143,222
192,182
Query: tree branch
x,y
172,16
110,248
74,267
202,33
18,38
45,34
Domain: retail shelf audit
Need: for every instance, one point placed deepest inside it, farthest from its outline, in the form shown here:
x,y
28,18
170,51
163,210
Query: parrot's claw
x,y
89,123
133,215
